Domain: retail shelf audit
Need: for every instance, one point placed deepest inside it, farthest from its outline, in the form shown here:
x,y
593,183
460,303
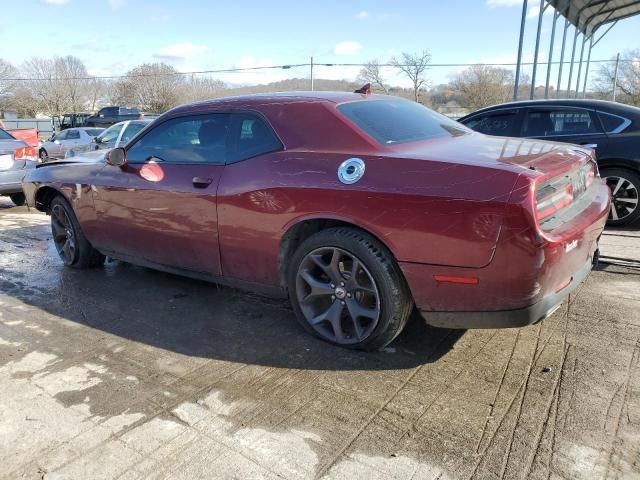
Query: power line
x,y
278,67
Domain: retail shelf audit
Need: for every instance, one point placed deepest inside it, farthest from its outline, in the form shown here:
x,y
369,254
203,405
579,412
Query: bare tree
x,y
372,73
482,85
414,66
628,83
7,73
59,85
200,88
153,87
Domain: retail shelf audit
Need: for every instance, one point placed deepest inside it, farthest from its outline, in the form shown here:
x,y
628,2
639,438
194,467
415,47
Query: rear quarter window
x,y
613,123
391,122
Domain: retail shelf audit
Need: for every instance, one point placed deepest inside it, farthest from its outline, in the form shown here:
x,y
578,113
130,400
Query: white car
x,y
115,136
60,143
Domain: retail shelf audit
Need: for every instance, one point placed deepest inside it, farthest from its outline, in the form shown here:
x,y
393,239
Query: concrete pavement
x,y
123,372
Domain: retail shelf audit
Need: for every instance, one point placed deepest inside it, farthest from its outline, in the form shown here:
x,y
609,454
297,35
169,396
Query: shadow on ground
x,y
189,317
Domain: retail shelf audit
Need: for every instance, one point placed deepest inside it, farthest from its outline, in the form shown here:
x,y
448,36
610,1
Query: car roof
x,y
257,99
603,105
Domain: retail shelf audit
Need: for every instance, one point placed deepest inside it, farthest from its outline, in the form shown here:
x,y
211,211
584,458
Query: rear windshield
x,y
398,121
5,136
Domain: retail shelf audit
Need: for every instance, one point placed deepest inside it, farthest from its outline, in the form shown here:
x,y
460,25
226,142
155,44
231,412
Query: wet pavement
x,y
124,372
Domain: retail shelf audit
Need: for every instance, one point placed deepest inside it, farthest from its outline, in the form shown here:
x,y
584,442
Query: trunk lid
x,y
501,152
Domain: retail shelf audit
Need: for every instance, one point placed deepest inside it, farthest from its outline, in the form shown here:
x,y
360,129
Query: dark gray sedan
x,y
16,157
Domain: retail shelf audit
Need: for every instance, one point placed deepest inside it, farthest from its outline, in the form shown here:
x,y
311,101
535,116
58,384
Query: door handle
x,y
200,182
590,145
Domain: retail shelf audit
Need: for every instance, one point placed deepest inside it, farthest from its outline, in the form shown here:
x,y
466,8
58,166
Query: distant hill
x,y
293,84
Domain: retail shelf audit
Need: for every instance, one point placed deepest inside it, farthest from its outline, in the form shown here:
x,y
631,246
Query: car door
x,y
160,207
56,146
569,124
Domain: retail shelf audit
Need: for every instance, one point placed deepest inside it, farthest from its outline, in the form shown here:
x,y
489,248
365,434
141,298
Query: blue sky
x,y
112,36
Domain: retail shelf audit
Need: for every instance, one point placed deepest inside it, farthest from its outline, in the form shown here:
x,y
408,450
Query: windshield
x,y
94,132
397,121
5,136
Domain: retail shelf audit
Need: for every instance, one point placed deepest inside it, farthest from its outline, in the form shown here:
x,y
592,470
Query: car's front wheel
x,y
43,155
624,185
346,288
72,246
18,198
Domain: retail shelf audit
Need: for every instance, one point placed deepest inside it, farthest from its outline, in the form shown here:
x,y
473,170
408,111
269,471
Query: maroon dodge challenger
x,y
357,207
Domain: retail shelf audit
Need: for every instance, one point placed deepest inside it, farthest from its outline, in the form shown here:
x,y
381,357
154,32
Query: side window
x,y
251,136
62,135
613,123
549,123
73,135
111,134
131,131
499,124
191,139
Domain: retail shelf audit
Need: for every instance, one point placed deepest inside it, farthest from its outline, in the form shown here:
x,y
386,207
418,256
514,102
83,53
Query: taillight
x,y
589,171
553,196
25,153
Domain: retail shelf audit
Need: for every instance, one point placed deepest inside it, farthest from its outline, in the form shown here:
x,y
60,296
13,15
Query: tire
x,y
65,229
43,156
18,198
625,187
377,293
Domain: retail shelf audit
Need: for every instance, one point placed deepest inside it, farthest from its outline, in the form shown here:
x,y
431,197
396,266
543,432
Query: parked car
x,y
356,206
612,129
69,120
61,142
108,116
16,158
115,136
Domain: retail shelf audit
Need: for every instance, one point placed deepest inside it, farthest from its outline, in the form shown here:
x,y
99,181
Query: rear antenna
x,y
364,90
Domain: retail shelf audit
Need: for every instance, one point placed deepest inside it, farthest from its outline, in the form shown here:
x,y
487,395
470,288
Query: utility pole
x,y
615,77
311,73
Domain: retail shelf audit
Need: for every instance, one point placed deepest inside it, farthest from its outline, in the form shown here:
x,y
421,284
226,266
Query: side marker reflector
x,y
451,279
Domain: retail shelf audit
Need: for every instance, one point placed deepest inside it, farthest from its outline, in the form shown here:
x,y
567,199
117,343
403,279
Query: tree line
x,y
54,86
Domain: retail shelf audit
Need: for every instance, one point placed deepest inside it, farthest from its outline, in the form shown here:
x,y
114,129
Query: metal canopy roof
x,y
589,15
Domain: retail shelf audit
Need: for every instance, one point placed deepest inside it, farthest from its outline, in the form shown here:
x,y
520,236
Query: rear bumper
x,y
11,181
509,318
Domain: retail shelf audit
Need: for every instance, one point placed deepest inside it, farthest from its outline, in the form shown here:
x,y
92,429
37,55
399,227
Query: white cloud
x,y
534,11
503,3
348,47
116,4
181,51
56,2
362,15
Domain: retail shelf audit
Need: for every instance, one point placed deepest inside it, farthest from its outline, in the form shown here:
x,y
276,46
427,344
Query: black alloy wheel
x,y
337,295
64,235
346,288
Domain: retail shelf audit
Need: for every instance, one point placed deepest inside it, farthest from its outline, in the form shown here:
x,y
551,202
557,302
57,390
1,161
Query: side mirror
x,y
117,157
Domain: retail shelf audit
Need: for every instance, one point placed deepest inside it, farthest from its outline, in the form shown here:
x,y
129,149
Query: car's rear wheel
x,y
44,156
72,246
346,288
624,185
18,198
